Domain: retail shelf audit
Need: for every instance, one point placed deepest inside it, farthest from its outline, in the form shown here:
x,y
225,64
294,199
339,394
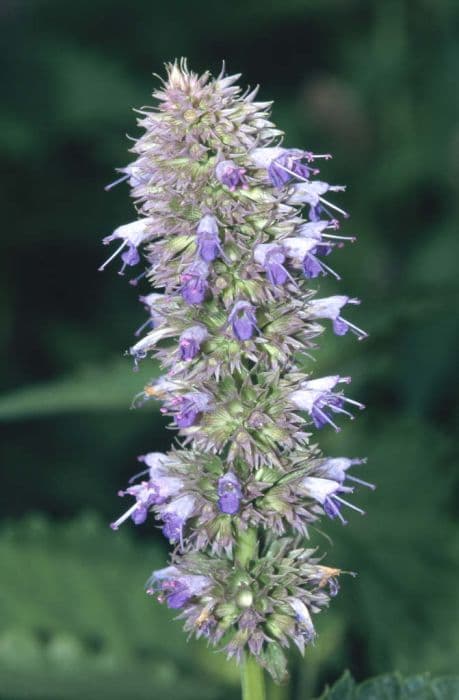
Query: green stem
x,y
252,679
252,675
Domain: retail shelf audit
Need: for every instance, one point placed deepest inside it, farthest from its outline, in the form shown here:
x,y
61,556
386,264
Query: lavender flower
x,y
190,342
317,398
176,588
175,514
194,283
229,493
231,175
209,246
243,321
234,227
331,308
131,235
272,257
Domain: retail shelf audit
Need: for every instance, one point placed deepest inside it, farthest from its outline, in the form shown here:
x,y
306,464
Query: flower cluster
x,y
234,228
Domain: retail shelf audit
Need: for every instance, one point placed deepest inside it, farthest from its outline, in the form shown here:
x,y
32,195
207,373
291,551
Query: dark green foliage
x,y
394,687
77,623
376,84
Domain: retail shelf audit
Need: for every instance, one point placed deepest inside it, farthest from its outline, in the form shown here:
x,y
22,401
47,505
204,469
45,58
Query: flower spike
x,y
234,230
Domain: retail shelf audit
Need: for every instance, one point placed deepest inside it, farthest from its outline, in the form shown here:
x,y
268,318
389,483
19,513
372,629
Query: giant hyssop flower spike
x,y
233,228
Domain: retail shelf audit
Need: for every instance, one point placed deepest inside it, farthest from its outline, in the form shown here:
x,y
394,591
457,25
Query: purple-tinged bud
x,y
330,308
156,462
209,246
131,235
175,514
242,319
194,283
315,396
176,587
271,256
231,175
190,407
230,493
190,342
325,492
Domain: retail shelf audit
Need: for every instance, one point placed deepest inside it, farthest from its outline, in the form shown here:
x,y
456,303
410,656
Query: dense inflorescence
x,y
234,227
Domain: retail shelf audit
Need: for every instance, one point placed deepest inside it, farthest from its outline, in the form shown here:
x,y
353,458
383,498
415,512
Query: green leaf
x,y
393,687
77,623
91,388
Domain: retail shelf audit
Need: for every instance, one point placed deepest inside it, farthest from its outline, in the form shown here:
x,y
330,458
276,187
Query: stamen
x,y
329,269
333,206
355,403
117,252
361,334
327,419
349,505
116,182
135,281
136,476
123,517
335,510
144,325
360,481
352,239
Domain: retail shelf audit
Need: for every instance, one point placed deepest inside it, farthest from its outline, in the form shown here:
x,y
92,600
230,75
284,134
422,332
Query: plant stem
x,y
252,679
252,675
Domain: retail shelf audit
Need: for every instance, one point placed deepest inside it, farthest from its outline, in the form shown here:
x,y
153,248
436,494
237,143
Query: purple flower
x,y
315,396
271,256
156,462
336,468
131,173
140,350
209,246
131,235
150,302
148,493
242,319
316,229
176,587
303,618
325,492
230,493
311,193
194,283
231,175
287,166
305,250
330,307
190,342
190,406
175,514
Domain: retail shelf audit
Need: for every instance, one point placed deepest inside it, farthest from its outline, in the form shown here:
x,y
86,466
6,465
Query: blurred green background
x,y
373,82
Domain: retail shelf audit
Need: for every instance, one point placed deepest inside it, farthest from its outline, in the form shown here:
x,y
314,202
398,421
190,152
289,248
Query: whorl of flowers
x,y
234,227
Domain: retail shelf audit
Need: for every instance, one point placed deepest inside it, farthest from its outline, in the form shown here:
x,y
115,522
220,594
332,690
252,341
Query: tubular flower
x,y
234,230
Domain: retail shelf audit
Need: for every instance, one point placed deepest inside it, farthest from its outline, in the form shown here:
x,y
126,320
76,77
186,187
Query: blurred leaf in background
x,y
374,83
